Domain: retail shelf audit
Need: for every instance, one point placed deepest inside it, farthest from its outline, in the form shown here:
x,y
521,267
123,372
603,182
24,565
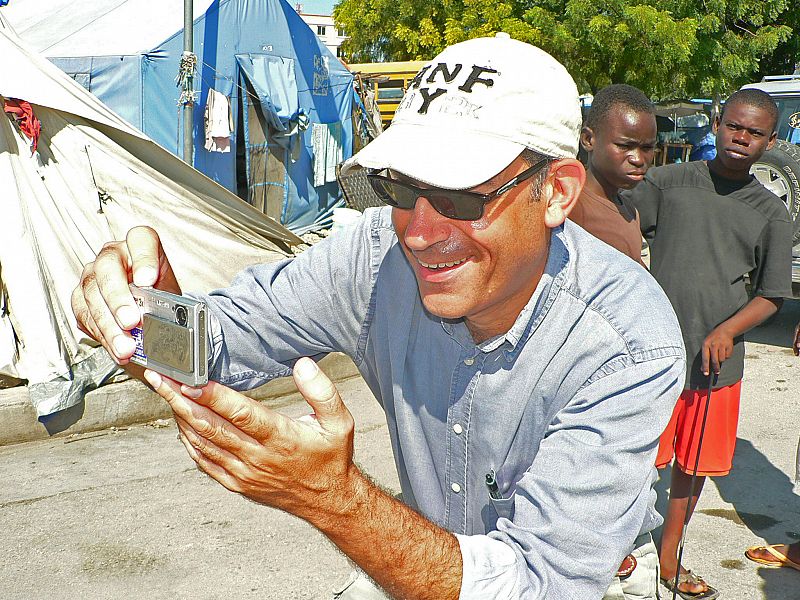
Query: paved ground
x,y
123,513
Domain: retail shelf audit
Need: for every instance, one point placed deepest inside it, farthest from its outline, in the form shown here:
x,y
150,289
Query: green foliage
x,y
668,48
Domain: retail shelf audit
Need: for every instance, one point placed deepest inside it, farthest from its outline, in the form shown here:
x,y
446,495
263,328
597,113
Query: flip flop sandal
x,y
693,579
781,560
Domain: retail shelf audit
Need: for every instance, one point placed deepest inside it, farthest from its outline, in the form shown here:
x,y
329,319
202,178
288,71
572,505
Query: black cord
x,y
691,485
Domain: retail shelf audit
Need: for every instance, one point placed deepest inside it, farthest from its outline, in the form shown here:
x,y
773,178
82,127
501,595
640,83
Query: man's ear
x,y
715,124
587,139
561,190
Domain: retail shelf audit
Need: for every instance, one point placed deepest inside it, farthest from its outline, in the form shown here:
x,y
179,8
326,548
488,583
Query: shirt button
x,y
469,361
458,429
456,488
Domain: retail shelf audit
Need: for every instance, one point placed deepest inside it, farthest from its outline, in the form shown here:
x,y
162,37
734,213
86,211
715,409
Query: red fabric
x,y
682,435
27,121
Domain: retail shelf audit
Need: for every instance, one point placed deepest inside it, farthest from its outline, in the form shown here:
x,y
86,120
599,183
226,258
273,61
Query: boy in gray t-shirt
x,y
708,225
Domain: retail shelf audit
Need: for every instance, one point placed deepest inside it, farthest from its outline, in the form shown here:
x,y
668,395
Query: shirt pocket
x,y
504,507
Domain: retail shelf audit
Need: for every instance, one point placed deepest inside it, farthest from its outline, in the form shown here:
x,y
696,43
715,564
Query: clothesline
x,y
244,91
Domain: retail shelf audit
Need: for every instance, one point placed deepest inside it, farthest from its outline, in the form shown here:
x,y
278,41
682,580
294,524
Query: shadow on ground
x,y
770,510
778,330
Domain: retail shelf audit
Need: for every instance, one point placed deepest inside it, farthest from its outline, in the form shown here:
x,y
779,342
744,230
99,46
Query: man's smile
x,y
442,265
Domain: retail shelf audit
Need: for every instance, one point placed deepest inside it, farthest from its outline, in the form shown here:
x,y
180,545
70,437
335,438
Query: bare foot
x,y
691,584
791,551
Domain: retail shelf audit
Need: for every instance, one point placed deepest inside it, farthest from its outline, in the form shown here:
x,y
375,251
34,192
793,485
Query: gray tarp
x,y
92,179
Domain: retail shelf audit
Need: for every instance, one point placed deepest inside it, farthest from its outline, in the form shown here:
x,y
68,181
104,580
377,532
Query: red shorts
x,y
681,436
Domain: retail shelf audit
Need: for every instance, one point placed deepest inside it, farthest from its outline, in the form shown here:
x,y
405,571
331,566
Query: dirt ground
x,y
124,513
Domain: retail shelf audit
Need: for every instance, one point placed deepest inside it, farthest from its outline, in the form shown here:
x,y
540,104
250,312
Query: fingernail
x,y
128,316
153,378
144,276
191,392
306,368
123,345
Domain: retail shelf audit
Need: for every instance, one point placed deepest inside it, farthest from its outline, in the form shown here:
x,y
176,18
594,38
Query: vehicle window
x,y
390,90
789,119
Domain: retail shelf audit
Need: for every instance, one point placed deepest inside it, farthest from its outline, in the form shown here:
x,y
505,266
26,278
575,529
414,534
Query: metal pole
x,y
188,86
688,514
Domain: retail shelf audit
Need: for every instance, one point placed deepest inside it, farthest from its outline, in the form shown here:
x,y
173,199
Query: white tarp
x,y
92,179
66,28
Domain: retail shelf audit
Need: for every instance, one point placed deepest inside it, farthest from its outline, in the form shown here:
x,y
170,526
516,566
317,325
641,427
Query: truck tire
x,y
779,171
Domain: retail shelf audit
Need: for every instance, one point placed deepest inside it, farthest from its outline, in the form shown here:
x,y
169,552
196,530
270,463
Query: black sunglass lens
x,y
393,193
455,205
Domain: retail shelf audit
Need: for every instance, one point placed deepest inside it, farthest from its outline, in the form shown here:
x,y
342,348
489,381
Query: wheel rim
x,y
774,180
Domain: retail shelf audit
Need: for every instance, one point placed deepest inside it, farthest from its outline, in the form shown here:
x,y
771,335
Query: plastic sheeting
x,y
92,179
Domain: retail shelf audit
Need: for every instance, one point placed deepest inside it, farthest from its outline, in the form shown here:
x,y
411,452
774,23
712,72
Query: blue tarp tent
x,y
290,97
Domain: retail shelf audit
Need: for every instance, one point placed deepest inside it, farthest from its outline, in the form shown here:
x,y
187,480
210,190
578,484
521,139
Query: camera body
x,y
172,336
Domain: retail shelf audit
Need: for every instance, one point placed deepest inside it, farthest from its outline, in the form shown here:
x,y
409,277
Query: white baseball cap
x,y
473,109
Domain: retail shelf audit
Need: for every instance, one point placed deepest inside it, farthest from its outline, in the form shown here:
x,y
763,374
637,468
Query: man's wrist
x,y
344,500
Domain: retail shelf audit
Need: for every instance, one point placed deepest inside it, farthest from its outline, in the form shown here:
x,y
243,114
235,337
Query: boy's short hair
x,y
754,97
617,94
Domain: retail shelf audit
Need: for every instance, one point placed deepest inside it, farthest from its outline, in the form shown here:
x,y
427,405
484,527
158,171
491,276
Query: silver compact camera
x,y
171,339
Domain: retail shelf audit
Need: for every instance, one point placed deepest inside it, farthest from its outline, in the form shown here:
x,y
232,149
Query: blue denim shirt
x,y
566,407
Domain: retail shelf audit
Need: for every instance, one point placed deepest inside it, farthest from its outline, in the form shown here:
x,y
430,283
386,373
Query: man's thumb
x,y
318,390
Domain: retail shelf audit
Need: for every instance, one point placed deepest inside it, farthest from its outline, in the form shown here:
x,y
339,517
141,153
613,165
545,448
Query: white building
x,y
325,29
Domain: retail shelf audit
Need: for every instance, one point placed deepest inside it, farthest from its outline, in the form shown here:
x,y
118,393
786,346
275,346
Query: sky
x,y
315,7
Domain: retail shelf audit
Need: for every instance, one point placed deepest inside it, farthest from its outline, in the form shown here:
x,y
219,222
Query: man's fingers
x,y
149,263
200,413
95,318
319,392
252,418
206,461
145,254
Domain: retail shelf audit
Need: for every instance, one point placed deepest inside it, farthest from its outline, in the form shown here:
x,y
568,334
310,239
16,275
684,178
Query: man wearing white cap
x,y
526,369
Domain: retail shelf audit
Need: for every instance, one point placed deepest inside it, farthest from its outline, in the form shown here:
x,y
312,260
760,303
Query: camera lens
x,y
181,316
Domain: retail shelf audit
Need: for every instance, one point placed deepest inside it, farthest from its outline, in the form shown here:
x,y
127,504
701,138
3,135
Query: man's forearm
x,y
410,557
751,315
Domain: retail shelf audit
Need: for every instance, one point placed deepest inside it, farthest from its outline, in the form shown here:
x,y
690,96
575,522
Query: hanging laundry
x,y
22,113
218,122
326,142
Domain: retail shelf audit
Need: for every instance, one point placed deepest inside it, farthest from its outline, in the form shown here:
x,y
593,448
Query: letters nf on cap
x,y
442,74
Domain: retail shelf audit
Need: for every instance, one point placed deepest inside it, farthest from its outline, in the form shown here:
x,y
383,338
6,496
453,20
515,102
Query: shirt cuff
x,y
489,568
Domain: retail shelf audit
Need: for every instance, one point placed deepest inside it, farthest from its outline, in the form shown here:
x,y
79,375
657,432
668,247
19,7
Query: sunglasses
x,y
453,204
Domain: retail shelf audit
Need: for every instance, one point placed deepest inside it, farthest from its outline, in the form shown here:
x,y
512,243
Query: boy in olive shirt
x,y
709,224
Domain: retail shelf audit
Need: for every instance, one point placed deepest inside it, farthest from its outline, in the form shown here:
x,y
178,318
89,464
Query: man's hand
x,y
717,348
102,301
796,342
303,466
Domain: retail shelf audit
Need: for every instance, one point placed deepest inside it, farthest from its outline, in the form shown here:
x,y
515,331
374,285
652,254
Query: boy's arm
x,y
718,345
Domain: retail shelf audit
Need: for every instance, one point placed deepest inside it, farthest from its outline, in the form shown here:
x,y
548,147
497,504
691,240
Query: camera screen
x,y
167,343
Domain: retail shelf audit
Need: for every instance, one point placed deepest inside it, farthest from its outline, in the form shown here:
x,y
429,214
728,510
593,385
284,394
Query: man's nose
x,y
426,226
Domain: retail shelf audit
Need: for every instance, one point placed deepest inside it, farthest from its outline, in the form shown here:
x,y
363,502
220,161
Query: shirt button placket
x,y
458,466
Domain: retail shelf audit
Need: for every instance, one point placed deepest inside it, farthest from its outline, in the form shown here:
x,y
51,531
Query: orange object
x,y
682,435
22,112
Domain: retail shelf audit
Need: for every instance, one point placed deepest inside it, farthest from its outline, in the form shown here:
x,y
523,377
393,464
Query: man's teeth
x,y
442,265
